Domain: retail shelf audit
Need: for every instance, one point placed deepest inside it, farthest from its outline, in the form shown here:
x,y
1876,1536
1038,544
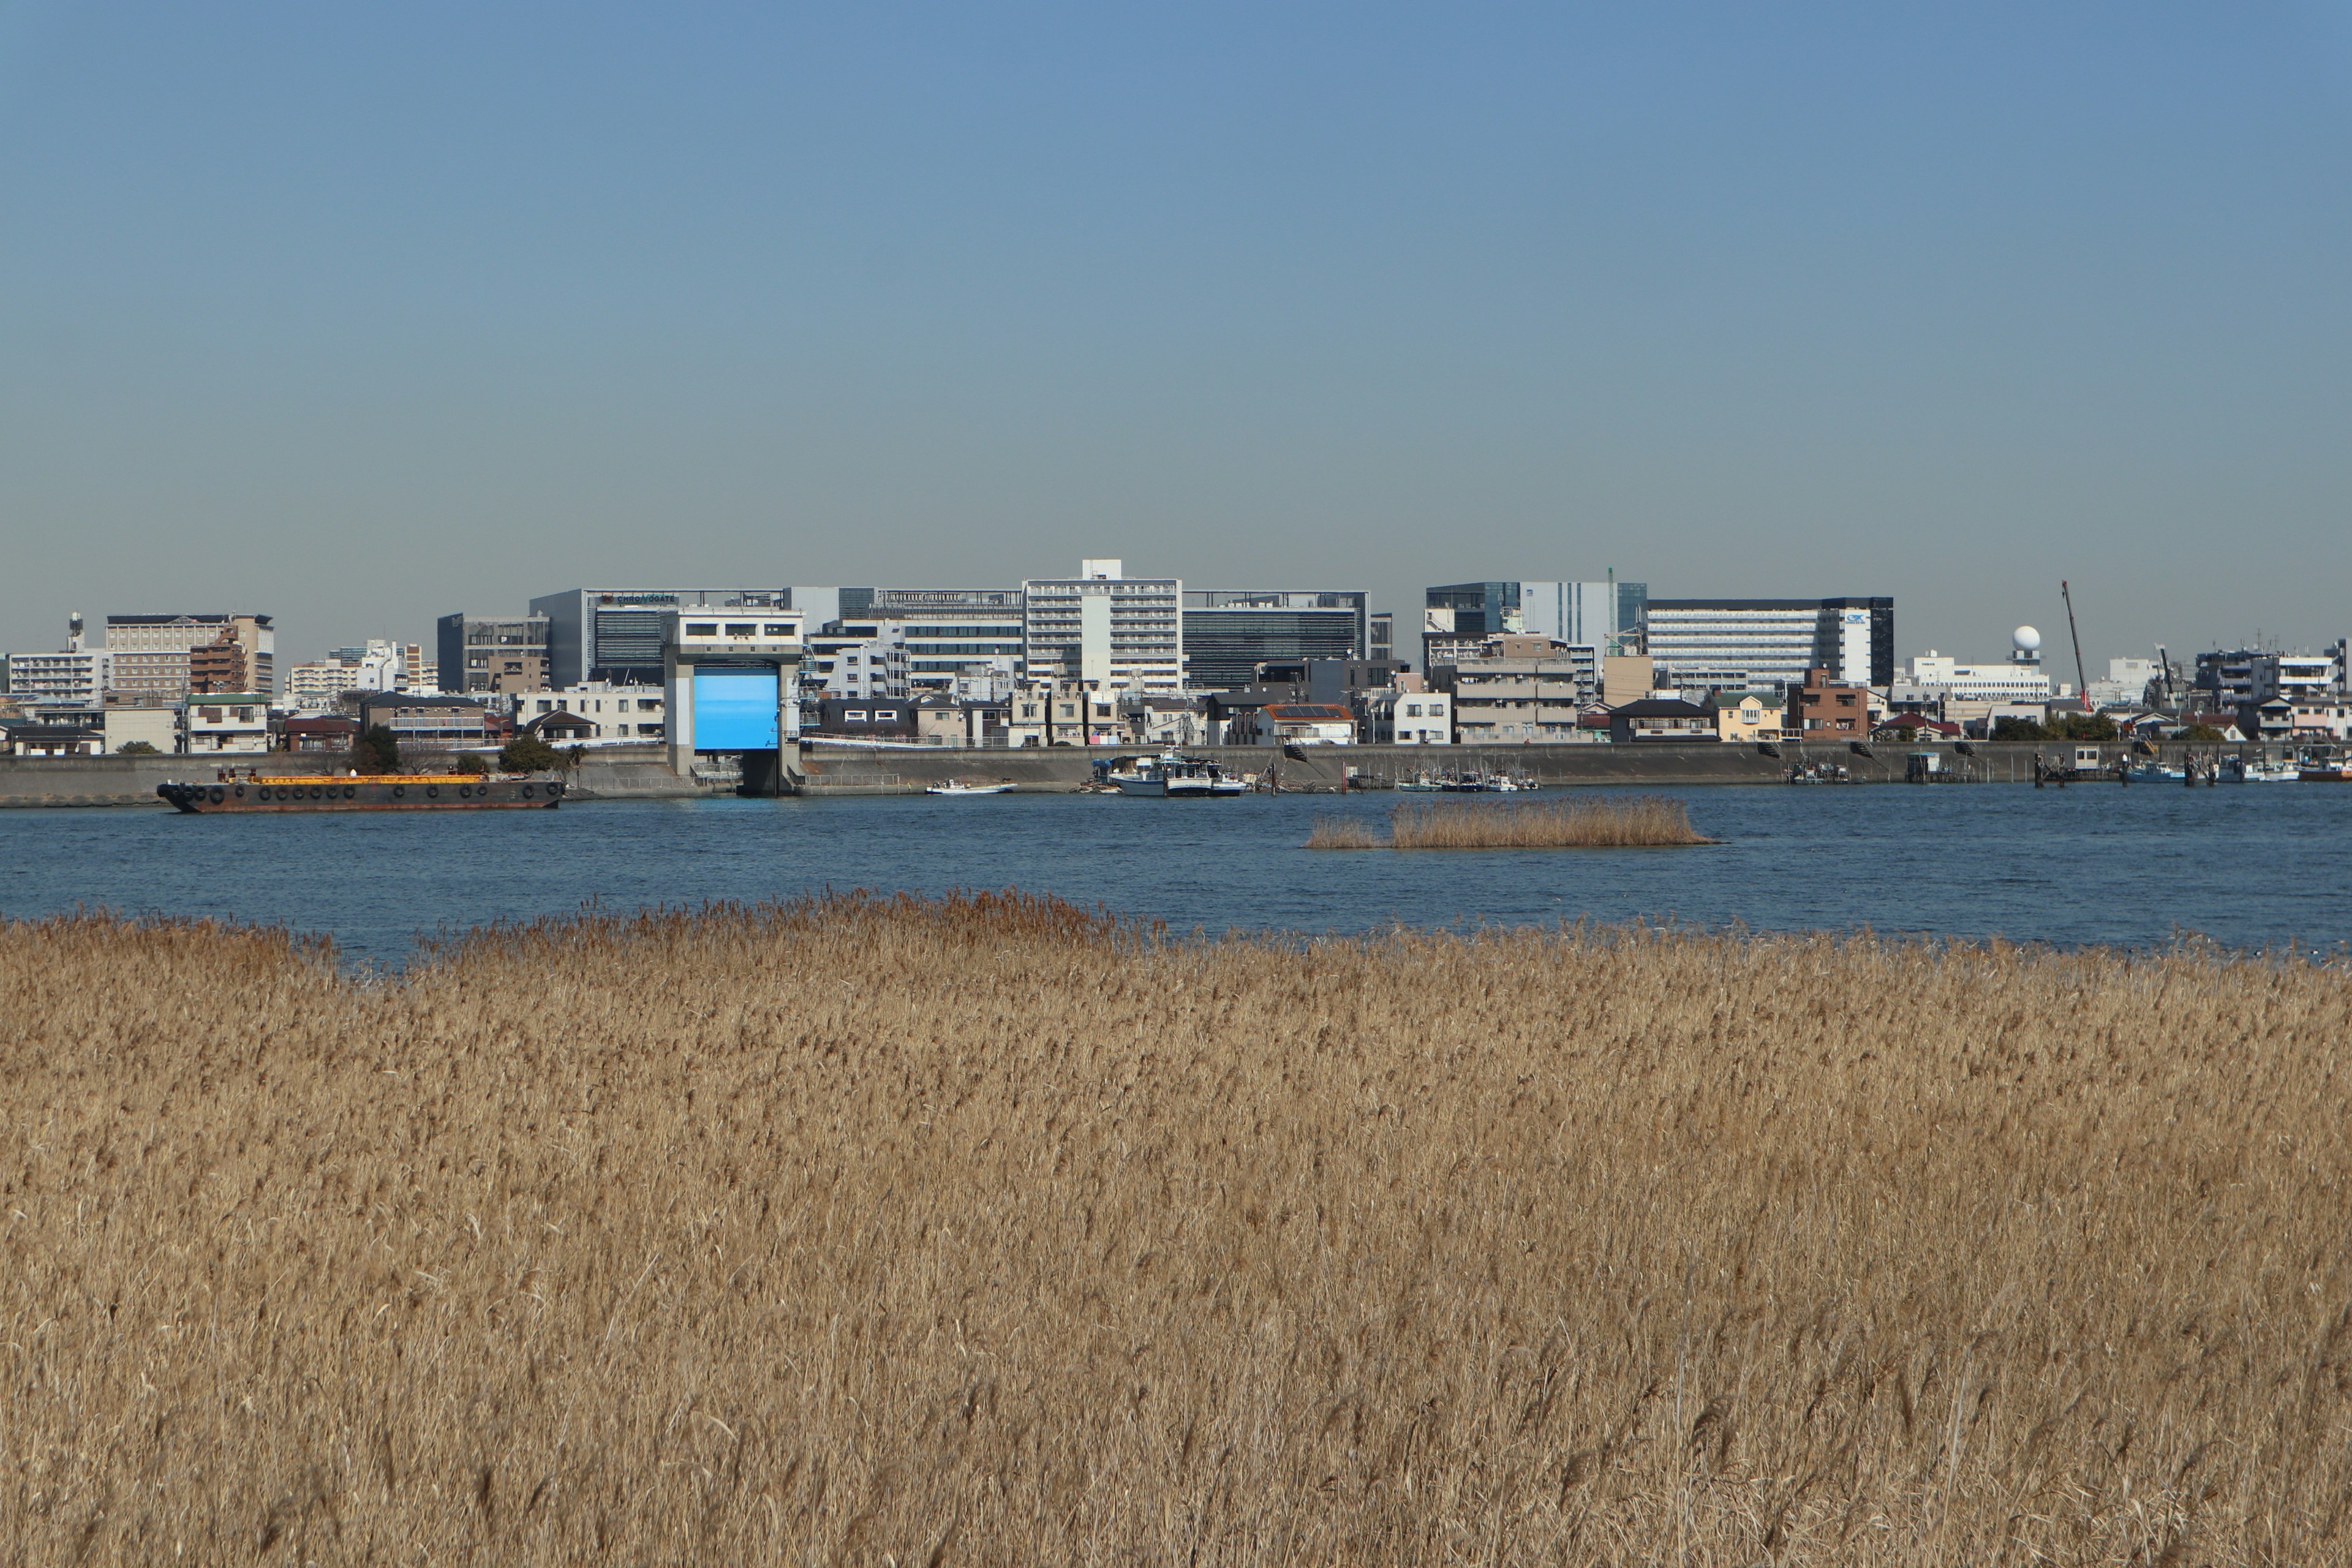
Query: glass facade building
x,y
1229,632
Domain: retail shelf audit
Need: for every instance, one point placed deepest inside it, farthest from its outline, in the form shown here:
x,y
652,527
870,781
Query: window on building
x,y
886,715
702,628
741,629
856,715
779,628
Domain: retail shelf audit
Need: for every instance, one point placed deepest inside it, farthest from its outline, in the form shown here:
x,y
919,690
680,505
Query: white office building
x,y
1105,629
2014,681
1701,644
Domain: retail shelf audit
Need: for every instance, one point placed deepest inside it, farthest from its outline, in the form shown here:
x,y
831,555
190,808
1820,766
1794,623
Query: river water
x,y
2252,866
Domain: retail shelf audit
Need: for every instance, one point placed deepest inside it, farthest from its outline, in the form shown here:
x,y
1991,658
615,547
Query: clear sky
x,y
358,314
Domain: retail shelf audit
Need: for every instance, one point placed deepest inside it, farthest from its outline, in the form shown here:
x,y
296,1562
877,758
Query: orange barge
x,y
372,792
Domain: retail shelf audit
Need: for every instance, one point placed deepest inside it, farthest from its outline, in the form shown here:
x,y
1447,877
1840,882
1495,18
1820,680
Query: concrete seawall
x,y
642,772
827,770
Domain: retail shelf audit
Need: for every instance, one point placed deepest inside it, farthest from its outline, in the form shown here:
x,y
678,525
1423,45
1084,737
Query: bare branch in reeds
x,y
1593,822
990,1230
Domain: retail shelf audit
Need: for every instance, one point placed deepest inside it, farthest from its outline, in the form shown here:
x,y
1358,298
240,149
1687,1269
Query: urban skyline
x,y
1722,298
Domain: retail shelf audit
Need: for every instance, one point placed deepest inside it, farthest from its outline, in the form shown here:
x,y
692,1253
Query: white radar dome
x,y
2025,638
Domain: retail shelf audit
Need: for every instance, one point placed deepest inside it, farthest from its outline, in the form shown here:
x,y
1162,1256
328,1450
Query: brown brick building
x,y
1830,710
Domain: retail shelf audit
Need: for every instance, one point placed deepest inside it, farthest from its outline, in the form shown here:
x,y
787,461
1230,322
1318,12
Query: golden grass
x,y
985,1232
1599,822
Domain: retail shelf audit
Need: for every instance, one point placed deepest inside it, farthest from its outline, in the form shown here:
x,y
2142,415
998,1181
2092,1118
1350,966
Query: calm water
x,y
2252,866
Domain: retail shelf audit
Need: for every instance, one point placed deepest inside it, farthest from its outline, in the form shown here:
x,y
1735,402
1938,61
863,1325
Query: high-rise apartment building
x,y
1701,645
492,654
1105,629
1229,632
154,658
77,676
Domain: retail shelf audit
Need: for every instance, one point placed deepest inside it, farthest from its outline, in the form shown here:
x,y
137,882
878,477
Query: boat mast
x,y
2082,682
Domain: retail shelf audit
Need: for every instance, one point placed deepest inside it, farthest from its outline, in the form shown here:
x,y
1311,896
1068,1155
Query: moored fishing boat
x,y
957,787
358,792
1175,776
2238,770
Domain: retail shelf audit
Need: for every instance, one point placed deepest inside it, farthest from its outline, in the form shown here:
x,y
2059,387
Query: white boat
x,y
2237,770
1175,776
2152,772
957,787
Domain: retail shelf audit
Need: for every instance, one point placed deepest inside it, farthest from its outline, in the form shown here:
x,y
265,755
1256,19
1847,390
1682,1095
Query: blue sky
x,y
356,315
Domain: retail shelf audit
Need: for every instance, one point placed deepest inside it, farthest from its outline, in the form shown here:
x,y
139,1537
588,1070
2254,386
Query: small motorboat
x,y
2237,770
2152,772
957,787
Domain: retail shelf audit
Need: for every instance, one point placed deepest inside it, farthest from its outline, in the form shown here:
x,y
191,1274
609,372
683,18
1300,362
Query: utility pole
x,y
2082,681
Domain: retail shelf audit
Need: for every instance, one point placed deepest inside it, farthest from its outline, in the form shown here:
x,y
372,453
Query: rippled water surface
x,y
2252,866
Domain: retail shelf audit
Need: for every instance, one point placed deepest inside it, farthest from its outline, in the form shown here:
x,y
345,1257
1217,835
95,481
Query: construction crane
x,y
2082,681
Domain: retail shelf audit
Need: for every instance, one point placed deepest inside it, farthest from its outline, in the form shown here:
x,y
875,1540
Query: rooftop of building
x,y
1659,707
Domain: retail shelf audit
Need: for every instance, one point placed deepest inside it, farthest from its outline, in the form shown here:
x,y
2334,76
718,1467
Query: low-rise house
x,y
227,722
1979,725
1746,716
1305,724
867,719
332,733
1831,710
37,739
1404,716
1659,719
1915,728
2222,724
942,719
939,720
1230,714
1291,723
1061,713
1161,722
561,729
2316,721
150,724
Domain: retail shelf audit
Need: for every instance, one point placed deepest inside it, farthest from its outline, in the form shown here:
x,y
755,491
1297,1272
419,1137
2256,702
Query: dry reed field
x,y
1602,822
983,1231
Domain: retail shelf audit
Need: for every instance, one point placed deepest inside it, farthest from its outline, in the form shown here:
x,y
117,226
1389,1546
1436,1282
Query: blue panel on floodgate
x,y
734,709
